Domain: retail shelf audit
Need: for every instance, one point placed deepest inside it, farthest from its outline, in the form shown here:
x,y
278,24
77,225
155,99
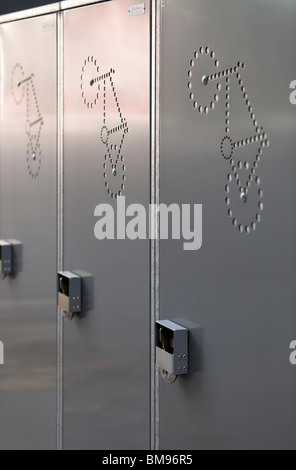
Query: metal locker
x,y
106,128
227,142
28,225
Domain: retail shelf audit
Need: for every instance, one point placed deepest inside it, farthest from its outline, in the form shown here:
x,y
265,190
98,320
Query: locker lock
x,y
69,293
172,354
5,258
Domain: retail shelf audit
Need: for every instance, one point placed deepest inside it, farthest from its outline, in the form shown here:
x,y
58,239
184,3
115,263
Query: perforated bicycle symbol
x,y
114,126
21,87
243,186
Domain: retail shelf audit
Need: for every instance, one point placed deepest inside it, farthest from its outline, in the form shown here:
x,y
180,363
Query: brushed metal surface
x,y
46,10
239,288
107,373
28,214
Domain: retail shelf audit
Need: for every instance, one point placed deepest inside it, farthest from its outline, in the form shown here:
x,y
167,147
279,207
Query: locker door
x,y
28,221
227,142
106,123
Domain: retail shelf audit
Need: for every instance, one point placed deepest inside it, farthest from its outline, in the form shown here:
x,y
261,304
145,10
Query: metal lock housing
x,y
5,257
172,348
69,292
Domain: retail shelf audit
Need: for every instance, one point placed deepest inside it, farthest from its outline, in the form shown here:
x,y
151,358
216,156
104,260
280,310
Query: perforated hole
x,y
226,148
261,206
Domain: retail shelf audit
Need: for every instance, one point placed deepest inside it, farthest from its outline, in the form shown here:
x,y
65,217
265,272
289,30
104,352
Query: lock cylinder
x,y
69,293
5,258
171,349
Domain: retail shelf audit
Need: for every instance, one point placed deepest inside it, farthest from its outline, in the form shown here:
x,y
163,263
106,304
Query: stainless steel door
x,y
28,216
234,135
107,61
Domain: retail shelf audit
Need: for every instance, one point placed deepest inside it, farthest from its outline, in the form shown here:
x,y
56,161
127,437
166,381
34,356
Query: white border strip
x,y
68,4
47,9
21,15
